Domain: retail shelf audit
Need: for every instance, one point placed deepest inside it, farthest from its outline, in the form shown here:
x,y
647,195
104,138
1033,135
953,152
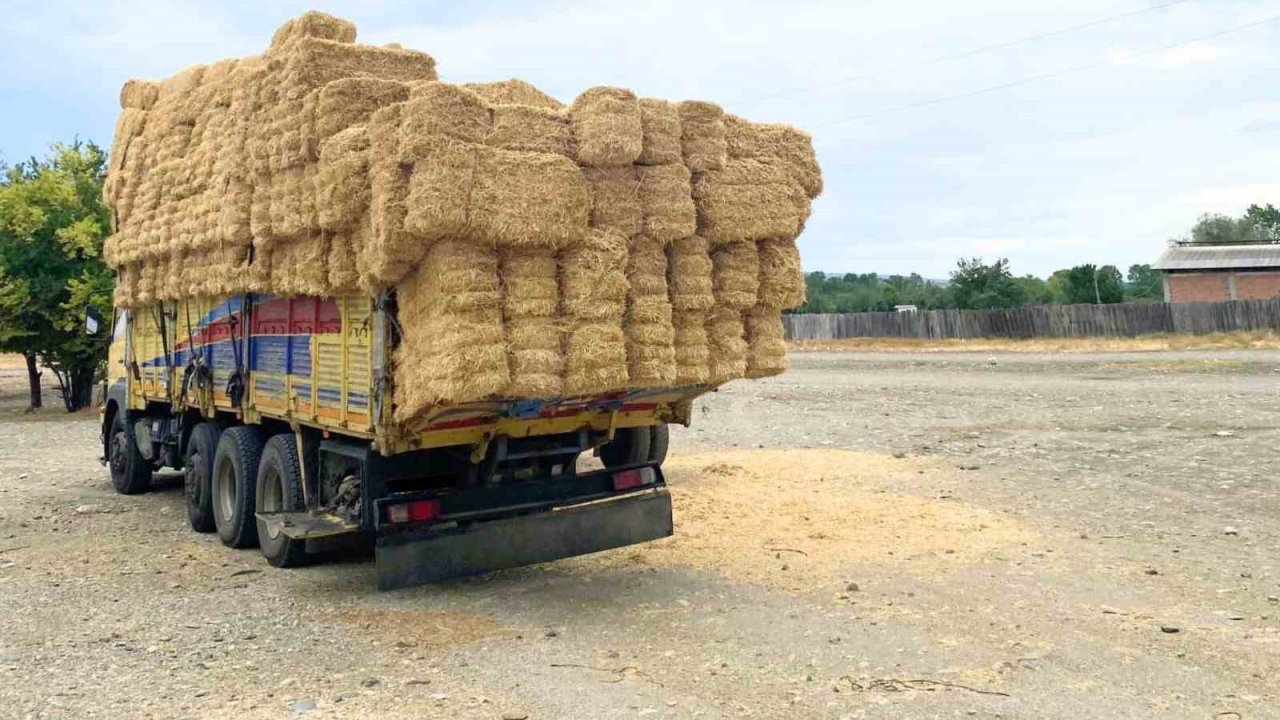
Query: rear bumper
x,y
410,559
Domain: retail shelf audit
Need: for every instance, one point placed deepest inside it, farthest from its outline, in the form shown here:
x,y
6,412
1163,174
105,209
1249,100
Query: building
x,y
1210,273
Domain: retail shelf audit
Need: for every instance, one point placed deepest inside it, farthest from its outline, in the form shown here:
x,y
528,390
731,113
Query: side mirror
x,y
91,323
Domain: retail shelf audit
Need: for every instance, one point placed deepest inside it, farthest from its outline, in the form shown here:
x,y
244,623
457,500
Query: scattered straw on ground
x,y
1258,340
423,628
801,519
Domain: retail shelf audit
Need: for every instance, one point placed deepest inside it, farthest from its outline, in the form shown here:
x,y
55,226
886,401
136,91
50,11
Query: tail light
x,y
628,479
415,511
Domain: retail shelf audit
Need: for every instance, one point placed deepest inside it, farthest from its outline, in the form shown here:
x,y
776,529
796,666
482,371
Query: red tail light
x,y
628,479
416,511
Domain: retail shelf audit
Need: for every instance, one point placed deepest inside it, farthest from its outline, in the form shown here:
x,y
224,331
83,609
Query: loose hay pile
x,y
536,250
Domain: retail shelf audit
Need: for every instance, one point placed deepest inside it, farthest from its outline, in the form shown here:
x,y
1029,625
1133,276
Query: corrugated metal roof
x,y
1219,257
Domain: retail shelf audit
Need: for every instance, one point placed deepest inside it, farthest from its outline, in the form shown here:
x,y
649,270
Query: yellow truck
x,y
279,412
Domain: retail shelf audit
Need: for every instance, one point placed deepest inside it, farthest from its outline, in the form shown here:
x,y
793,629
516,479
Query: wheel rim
x,y
224,482
271,496
119,444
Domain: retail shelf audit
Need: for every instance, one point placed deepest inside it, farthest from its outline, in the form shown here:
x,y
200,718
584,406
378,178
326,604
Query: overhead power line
x,y
1050,75
958,56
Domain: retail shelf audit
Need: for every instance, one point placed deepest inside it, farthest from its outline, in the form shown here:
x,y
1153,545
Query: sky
x,y
1087,144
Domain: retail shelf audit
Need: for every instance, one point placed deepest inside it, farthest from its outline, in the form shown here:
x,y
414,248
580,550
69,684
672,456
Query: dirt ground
x,y
871,535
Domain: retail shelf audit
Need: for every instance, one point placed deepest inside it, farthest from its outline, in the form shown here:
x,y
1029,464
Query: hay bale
x,y
702,136
689,274
343,193
606,124
615,199
666,200
736,275
530,302
531,129
595,357
782,285
310,63
593,281
391,250
766,343
126,290
315,25
514,92
727,345
139,94
344,277
778,144
438,112
352,101
660,128
692,352
650,336
454,346
530,283
749,200
300,266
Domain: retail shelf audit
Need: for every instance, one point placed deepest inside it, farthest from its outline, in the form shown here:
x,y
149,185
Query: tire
x,y
630,446
130,472
279,488
233,483
659,437
201,448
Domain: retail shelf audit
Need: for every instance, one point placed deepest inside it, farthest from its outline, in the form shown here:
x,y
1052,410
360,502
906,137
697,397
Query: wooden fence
x,y
1121,320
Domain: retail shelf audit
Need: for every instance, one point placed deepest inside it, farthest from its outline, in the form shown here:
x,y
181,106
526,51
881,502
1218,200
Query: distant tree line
x,y
976,284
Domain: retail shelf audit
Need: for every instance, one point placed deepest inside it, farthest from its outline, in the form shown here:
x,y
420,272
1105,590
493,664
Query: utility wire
x,y
958,56
1049,75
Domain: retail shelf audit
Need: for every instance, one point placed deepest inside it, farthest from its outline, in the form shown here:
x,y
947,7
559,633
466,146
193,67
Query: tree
x,y
1266,221
52,224
1089,284
1036,290
975,285
1225,230
1143,284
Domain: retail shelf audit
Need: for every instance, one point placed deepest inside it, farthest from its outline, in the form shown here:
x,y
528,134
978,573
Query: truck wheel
x,y
630,446
130,472
280,490
232,486
201,448
659,436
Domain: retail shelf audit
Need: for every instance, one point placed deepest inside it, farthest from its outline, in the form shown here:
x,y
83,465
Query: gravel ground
x,y
871,535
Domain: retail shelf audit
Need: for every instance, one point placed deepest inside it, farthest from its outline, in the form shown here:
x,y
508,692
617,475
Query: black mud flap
x,y
404,561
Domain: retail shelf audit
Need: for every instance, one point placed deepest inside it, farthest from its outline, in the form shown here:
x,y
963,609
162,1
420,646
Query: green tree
x,y
1090,284
52,224
1057,285
1143,284
1220,229
1036,290
976,285
1266,221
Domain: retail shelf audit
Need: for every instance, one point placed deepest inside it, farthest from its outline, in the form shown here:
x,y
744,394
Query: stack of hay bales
x,y
535,250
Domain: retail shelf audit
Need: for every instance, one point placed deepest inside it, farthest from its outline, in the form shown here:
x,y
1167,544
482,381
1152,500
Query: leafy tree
x,y
1266,221
1057,285
52,224
1143,284
1090,284
1036,290
1224,230
976,285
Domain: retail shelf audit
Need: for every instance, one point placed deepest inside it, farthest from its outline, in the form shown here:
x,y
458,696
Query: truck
x,y
278,412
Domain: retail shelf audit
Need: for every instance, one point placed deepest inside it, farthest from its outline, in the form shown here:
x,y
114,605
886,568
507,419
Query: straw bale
x,y
514,92
689,274
749,200
615,199
351,101
311,63
391,249
343,188
293,201
782,283
440,193
531,129
233,211
606,123
147,278
727,345
126,291
650,336
766,343
530,287
702,136
343,275
139,94
660,128
316,25
779,144
593,281
692,353
666,199
595,357
300,266
534,358
437,112
528,199
736,275
647,267
129,126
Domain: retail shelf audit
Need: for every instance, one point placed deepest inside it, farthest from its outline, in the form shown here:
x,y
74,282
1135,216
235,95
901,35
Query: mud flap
x,y
481,547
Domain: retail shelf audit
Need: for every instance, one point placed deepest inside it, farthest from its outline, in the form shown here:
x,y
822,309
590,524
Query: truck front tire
x,y
130,472
279,489
233,486
201,449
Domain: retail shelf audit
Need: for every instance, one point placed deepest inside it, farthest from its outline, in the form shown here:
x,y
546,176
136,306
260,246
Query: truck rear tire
x,y
659,437
201,448
130,472
629,446
280,490
233,484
